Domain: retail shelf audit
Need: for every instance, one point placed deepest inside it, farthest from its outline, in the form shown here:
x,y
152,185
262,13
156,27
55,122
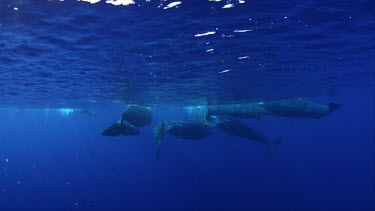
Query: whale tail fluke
x,y
273,146
334,106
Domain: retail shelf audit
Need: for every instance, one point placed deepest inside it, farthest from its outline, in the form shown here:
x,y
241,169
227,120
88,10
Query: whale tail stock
x,y
334,106
159,138
272,147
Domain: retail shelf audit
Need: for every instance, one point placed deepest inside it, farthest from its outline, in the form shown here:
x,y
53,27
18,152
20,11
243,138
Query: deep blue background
x,y
102,57
322,164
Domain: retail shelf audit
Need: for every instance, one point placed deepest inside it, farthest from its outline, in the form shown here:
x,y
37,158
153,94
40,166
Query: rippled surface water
x,y
73,53
68,67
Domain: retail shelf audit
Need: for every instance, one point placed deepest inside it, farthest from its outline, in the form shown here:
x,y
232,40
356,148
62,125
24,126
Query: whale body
x,y
288,108
138,116
179,129
298,108
244,110
239,129
133,116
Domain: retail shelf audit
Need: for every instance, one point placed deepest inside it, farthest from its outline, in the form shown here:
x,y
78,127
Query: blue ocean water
x,y
61,55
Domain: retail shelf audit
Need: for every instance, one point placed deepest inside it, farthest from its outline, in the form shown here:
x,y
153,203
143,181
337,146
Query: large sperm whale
x,y
287,108
298,108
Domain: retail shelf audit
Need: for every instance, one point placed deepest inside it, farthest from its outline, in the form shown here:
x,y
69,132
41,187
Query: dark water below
x,y
101,57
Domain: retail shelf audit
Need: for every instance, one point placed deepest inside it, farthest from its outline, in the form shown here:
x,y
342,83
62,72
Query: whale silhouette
x,y
121,128
133,116
298,108
239,129
179,129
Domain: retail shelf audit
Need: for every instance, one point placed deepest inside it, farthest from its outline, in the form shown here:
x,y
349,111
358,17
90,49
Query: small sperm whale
x,y
179,129
298,108
236,128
